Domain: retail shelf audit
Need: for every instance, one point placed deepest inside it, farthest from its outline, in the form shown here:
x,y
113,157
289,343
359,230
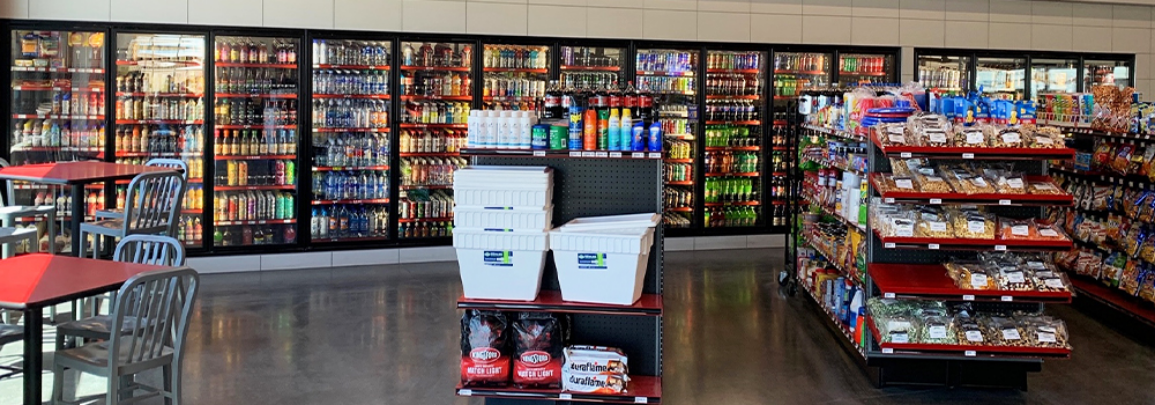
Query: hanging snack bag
x,y
484,348
538,341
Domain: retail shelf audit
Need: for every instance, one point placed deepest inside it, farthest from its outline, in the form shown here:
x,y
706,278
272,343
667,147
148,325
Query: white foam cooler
x,y
501,265
503,186
601,264
516,218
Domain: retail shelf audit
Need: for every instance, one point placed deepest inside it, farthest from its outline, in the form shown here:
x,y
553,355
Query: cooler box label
x,y
592,261
501,258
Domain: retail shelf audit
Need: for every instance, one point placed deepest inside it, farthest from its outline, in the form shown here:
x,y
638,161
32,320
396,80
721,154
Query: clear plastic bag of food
x,y
1004,331
1011,183
1048,231
973,225
969,331
970,275
898,329
937,330
893,135
1044,331
1047,137
1008,138
969,137
933,223
1043,188
1018,229
967,183
1011,277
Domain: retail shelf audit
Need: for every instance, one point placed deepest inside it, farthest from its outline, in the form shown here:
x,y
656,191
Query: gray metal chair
x,y
151,208
10,334
175,164
141,249
165,300
10,211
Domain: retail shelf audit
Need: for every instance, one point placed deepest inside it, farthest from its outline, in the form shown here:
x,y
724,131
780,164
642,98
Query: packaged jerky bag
x,y
484,348
538,340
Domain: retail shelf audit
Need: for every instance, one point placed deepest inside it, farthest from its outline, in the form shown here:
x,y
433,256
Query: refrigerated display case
x,y
350,139
732,162
865,68
592,67
255,140
945,73
160,82
666,79
798,71
514,76
57,113
437,93
1097,72
1001,77
1054,76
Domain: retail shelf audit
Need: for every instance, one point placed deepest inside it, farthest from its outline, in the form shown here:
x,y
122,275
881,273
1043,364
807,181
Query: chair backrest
x,y
175,164
158,305
154,200
10,189
150,249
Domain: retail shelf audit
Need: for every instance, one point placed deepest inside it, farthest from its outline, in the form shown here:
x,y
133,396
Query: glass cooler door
x,y
733,165
865,68
350,138
944,73
436,87
160,81
1053,76
1106,72
592,67
1002,77
666,82
514,76
255,141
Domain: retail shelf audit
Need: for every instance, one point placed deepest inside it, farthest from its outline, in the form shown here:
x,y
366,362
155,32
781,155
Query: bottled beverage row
x,y
351,185
333,113
731,136
734,60
249,142
437,54
438,112
425,229
349,221
733,85
523,105
159,108
93,201
863,64
249,235
676,220
435,141
256,173
730,217
776,186
159,139
62,102
778,134
677,197
678,172
518,57
190,230
679,150
350,149
587,56
740,110
816,62
676,125
263,51
436,84
430,171
372,82
730,189
438,204
58,48
942,78
778,162
502,130
666,60
339,52
558,100
791,85
592,80
255,80
513,87
194,197
727,162
665,84
244,111
196,165
146,82
253,206
54,133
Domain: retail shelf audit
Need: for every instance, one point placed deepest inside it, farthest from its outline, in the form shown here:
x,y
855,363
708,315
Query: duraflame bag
x,y
538,344
594,383
595,360
484,348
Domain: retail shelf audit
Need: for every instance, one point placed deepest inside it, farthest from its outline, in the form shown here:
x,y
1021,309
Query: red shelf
x,y
798,72
259,222
159,63
155,154
641,390
143,94
680,183
430,187
350,239
433,154
779,148
255,95
518,70
906,152
244,188
900,242
352,67
862,73
732,97
930,281
255,157
721,174
358,201
191,211
592,68
57,70
679,209
966,350
58,88
151,121
431,219
510,98
219,126
678,160
444,98
438,68
551,301
664,73
913,197
725,122
785,97
733,148
779,122
563,153
58,149
738,71
257,65
1115,298
58,116
332,129
356,96
450,126
341,168
733,204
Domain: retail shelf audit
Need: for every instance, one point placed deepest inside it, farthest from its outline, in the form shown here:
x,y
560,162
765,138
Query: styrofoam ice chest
x,y
604,266
503,186
515,218
501,265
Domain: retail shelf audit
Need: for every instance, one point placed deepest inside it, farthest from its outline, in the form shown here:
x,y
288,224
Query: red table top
x,y
75,172
40,278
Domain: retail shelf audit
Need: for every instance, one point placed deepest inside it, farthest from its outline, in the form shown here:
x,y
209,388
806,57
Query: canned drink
x,y
540,137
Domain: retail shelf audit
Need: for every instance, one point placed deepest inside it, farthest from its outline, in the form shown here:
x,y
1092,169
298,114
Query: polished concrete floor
x,y
389,335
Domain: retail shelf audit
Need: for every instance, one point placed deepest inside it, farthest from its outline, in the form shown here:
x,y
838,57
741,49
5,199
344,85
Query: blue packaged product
x,y
540,134
575,128
638,143
655,141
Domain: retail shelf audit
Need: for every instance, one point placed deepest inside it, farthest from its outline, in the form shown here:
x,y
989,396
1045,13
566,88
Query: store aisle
x,y
390,335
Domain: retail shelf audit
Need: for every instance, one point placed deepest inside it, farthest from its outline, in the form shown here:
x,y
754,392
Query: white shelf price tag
x,y
638,155
936,201
539,153
615,154
575,154
888,295
968,156
932,246
655,155
1007,298
970,353
602,154
1004,202
887,350
968,297
888,245
888,200
641,400
589,154
565,397
905,155
465,393
1000,248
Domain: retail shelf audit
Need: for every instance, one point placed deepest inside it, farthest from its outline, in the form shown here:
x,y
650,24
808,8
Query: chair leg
x,y
57,384
169,394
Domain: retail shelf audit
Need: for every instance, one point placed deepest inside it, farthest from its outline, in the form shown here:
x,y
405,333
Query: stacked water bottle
x,y
504,129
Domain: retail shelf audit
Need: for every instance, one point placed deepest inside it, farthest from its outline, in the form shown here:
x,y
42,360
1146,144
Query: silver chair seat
x,y
10,334
95,327
94,356
111,213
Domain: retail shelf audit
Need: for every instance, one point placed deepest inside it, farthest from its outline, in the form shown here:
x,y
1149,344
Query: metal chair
x,y
165,299
175,164
141,249
152,204
10,334
9,212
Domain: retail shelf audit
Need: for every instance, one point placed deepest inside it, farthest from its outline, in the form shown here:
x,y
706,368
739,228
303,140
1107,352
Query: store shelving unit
x,y
579,190
735,85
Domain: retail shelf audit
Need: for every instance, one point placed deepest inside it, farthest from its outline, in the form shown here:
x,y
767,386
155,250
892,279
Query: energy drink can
x,y
540,137
558,134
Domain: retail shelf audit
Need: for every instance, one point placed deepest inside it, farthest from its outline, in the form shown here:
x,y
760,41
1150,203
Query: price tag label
x,y
655,155
888,245
968,156
615,154
261,222
1007,298
641,400
974,336
905,155
588,154
932,246
638,155
970,353
888,295
1000,248
564,396
539,153
575,154
936,201
887,350
968,297
465,393
888,200
1004,202
602,154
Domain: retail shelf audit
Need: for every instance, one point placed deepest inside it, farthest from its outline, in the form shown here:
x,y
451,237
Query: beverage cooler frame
x,y
1029,56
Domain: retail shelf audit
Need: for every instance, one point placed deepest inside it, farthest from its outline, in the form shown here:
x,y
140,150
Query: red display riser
x,y
931,282
975,351
914,197
986,153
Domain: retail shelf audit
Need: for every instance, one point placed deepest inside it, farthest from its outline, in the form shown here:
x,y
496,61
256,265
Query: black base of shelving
x,y
899,370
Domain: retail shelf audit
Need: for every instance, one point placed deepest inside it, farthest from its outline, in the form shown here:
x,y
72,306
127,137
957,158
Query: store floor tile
x,y
389,335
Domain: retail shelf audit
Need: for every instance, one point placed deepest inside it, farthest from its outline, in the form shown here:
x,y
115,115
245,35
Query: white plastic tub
x,y
503,186
501,265
605,266
647,220
515,218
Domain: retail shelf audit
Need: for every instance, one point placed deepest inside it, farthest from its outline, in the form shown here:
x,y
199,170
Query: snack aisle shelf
x,y
965,352
643,390
914,197
931,282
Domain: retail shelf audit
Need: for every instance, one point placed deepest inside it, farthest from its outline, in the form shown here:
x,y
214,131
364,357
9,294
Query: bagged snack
x,y
1013,278
539,340
1147,285
937,330
1047,137
973,225
484,348
1121,159
1044,331
929,181
969,331
1043,188
932,223
970,275
892,135
1001,331
1017,229
972,137
1047,231
1008,138
897,329
1010,183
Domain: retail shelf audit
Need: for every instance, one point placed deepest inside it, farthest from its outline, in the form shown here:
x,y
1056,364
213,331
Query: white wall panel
x,y
723,27
967,10
1131,16
542,21
497,18
669,24
1090,39
728,6
614,22
299,13
776,28
1051,37
827,7
1049,12
1015,11
776,6
14,9
243,12
820,29
1133,40
874,31
967,34
1009,35
876,8
684,5
150,11
923,9
922,33
432,16
1095,15
374,15
616,3
87,10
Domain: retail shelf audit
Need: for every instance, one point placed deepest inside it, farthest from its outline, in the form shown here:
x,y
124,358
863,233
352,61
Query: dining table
x,y
77,175
36,281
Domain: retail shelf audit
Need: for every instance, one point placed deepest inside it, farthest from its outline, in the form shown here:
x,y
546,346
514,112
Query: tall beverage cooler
x,y
734,164
255,140
437,94
1003,78
350,140
160,83
57,114
667,78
